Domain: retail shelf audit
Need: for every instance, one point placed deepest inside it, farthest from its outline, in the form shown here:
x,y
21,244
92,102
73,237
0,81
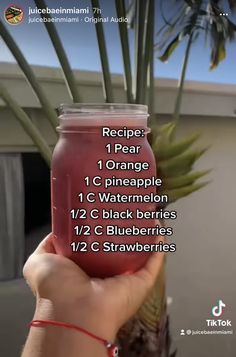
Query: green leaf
x,y
219,37
174,195
172,150
183,180
181,164
218,55
163,137
166,35
167,129
170,49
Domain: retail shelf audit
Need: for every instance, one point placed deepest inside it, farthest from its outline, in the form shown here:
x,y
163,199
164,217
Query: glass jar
x,y
101,154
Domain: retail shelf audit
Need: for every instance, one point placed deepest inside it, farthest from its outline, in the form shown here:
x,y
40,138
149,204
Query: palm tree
x,y
193,17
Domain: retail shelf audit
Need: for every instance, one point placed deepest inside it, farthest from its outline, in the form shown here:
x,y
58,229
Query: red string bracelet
x,y
112,349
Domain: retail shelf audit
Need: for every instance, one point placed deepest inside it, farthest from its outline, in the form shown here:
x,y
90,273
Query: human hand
x,y
64,292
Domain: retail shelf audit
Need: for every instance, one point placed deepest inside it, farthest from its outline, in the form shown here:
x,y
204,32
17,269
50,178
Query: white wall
x,y
13,138
203,269
199,99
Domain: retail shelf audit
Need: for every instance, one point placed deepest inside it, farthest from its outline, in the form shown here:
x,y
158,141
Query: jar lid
x,y
90,109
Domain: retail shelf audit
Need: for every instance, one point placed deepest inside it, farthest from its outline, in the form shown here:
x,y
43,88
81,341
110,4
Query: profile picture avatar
x,y
14,15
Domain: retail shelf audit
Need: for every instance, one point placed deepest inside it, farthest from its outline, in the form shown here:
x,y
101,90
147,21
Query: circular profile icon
x,y
14,14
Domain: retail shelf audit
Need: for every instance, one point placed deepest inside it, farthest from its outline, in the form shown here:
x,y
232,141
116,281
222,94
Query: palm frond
x,y
131,13
141,37
107,84
29,74
61,54
151,75
27,124
120,9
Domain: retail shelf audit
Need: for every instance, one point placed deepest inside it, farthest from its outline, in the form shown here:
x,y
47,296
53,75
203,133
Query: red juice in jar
x,y
97,194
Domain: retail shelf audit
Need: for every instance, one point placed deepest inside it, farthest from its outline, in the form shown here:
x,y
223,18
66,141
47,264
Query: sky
x,y
79,40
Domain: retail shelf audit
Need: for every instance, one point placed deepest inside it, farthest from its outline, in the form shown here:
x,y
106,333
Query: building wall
x,y
203,269
13,137
200,98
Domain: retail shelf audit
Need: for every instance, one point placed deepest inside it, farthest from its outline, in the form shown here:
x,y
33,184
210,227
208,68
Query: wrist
x,y
77,314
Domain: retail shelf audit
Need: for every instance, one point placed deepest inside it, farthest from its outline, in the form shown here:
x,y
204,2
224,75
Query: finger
x,y
151,269
46,246
143,280
155,260
154,263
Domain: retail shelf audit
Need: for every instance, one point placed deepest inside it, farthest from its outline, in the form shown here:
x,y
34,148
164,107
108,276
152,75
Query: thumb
x,y
46,246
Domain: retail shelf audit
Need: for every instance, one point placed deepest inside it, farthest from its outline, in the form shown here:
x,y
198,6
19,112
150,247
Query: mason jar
x,y
101,162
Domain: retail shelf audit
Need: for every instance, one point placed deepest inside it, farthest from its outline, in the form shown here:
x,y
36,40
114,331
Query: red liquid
x,y
75,157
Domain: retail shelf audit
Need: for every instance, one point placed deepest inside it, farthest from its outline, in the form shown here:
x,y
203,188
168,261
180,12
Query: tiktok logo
x,y
218,309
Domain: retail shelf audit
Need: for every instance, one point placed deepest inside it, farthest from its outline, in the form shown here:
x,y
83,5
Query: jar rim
x,y
91,109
